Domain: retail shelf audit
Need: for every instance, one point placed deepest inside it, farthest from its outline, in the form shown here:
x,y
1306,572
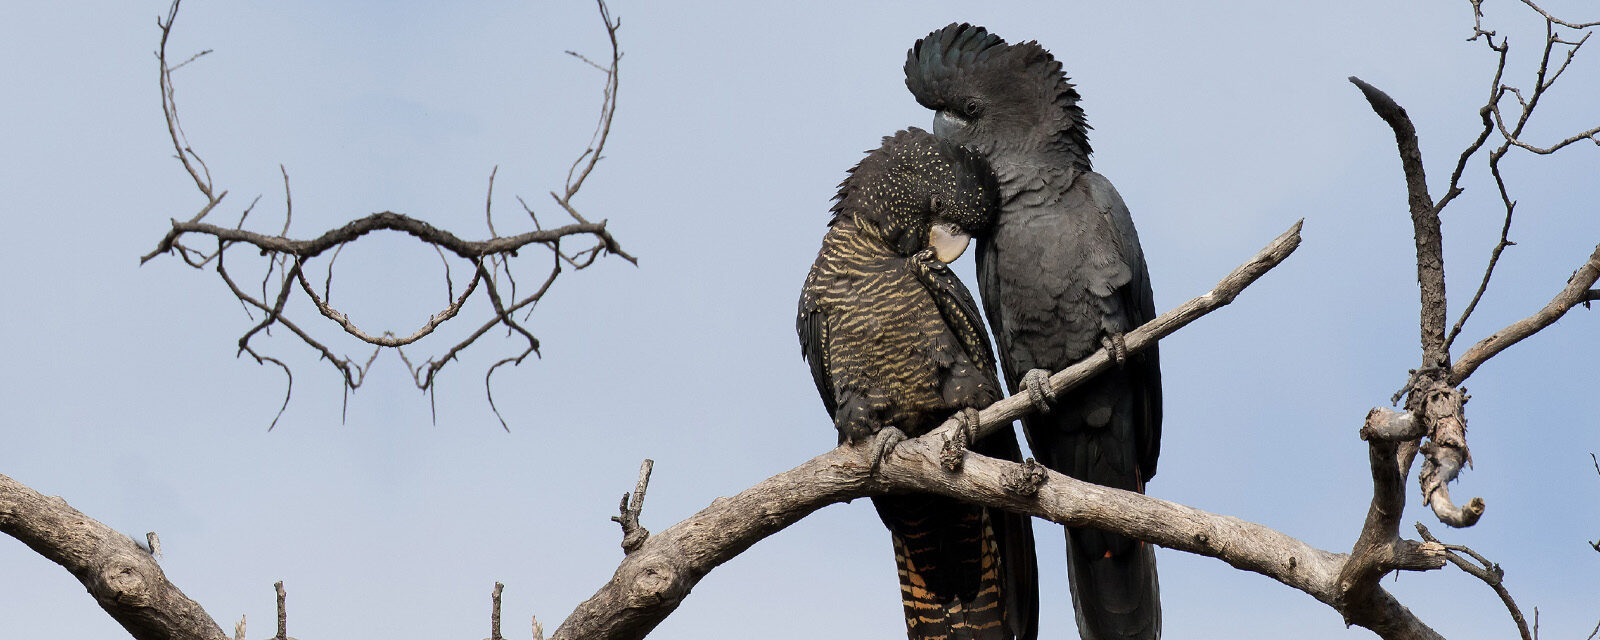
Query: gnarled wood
x,y
123,578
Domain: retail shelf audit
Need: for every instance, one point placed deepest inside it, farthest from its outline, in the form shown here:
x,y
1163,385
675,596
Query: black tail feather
x,y
1114,586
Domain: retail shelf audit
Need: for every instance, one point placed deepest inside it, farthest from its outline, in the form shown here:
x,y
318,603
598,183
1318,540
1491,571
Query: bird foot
x,y
1024,479
1114,343
885,442
1037,382
954,451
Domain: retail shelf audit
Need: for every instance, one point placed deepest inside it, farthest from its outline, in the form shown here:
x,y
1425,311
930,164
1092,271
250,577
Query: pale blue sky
x,y
1220,125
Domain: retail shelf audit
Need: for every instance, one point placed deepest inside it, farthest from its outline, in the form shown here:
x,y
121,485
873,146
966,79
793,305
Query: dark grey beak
x,y
947,124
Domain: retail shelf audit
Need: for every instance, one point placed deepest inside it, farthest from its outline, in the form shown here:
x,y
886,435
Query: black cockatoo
x,y
896,347
1061,274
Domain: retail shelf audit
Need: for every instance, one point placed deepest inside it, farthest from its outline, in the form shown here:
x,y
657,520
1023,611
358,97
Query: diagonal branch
x,y
1008,409
123,578
1564,23
651,582
1575,293
653,579
1489,572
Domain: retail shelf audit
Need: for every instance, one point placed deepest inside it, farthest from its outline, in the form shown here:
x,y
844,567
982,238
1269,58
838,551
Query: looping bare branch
x,y
286,258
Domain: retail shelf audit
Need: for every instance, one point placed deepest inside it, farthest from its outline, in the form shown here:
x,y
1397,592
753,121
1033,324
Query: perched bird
x,y
1061,274
896,347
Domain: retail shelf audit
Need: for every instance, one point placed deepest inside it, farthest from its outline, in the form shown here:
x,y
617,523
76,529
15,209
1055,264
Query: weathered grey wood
x,y
120,574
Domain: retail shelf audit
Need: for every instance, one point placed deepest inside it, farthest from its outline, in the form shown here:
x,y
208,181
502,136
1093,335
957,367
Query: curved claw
x,y
955,447
1037,382
970,421
885,442
1114,343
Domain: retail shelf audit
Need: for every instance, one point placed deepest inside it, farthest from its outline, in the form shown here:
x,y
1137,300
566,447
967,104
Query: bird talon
x,y
1118,347
955,446
970,420
885,442
1037,382
1024,479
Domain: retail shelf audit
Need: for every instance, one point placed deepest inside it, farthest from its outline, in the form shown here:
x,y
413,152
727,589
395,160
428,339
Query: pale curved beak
x,y
948,242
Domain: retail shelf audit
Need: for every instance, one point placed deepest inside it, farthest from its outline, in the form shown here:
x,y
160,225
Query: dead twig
x,y
1482,569
634,534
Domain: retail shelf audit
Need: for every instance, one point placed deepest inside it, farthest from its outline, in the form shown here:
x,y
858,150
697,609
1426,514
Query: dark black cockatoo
x,y
896,347
1061,274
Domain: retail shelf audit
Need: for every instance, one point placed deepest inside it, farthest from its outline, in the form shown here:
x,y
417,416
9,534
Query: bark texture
x,y
120,574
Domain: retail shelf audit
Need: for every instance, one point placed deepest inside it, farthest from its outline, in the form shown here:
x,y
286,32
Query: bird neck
x,y
1048,170
850,235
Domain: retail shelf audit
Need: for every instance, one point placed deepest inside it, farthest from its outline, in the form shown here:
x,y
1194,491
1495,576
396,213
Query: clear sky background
x,y
1220,123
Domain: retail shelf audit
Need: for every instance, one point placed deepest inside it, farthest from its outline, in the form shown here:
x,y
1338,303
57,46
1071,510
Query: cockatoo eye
x,y
972,108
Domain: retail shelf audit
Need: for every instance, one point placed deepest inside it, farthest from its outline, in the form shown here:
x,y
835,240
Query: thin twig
x,y
1489,572
634,534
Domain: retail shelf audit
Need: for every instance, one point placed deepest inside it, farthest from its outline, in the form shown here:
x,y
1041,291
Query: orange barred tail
x,y
952,578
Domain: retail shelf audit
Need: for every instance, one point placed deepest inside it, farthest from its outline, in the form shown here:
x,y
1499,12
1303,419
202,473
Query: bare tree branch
x,y
123,578
1576,292
494,613
1425,223
498,251
283,612
634,535
651,582
1559,21
1489,572
1378,549
1494,119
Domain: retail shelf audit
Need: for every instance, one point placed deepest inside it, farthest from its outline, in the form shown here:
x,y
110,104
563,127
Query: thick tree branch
x,y
651,582
123,578
1378,549
1424,221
